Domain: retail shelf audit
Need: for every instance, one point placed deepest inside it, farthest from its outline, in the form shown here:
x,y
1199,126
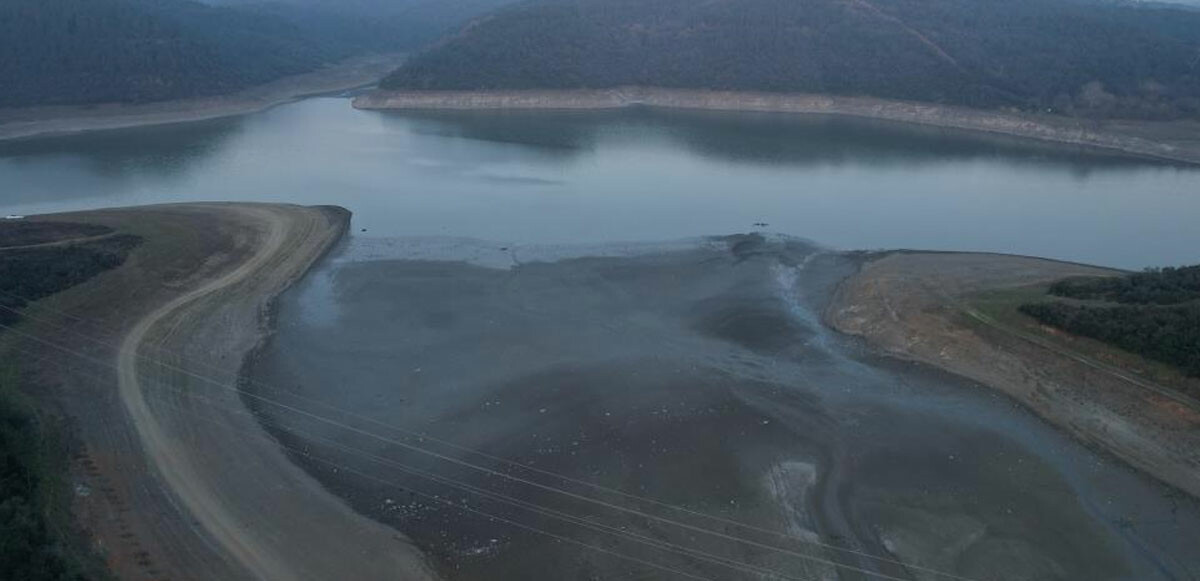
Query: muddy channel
x,y
677,411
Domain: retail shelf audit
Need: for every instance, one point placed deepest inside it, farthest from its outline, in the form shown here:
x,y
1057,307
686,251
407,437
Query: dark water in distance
x,y
553,178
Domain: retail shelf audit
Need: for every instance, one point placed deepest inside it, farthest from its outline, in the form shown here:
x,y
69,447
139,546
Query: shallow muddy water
x,y
686,379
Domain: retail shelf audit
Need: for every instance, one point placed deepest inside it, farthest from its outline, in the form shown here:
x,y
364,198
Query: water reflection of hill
x,y
67,167
757,138
696,374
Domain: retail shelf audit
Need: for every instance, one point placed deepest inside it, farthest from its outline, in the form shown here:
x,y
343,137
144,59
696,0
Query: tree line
x,y
30,550
69,52
1075,58
1160,286
1155,313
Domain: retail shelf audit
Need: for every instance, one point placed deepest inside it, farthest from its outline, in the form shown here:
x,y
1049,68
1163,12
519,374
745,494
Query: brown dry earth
x,y
174,478
27,122
912,305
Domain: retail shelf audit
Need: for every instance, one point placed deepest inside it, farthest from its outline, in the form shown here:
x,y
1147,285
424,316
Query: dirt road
x,y
171,481
171,461
258,526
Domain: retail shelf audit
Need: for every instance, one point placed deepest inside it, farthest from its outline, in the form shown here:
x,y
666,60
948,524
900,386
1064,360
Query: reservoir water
x,y
559,366
551,178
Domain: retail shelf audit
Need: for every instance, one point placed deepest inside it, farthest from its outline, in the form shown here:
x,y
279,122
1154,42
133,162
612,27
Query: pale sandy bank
x,y
1175,141
920,306
177,478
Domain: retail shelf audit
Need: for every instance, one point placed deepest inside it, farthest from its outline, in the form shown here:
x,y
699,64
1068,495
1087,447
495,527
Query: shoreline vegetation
x,y
40,259
960,312
201,287
1155,313
354,73
156,430
1168,141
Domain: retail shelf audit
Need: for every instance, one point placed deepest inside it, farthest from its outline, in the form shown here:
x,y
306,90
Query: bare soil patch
x,y
927,307
173,477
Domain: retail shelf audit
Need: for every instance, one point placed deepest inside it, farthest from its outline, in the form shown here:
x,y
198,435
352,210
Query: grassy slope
x,y
1003,306
37,541
37,538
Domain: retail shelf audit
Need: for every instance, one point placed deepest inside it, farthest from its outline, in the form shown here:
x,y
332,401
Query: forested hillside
x,y
393,24
1068,56
1160,286
92,51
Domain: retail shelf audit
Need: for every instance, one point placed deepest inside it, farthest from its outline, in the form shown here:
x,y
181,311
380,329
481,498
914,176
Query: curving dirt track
x,y
187,486
261,527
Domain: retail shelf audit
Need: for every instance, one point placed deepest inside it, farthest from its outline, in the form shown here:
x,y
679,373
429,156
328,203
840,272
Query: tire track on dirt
x,y
173,465
265,514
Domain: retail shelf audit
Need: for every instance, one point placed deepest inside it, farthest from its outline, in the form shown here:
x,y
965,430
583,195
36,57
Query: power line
x,y
469,465
520,465
509,462
445,481
423,437
513,463
512,501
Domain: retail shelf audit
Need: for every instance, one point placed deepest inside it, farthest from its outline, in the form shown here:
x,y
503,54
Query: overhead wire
x,y
527,482
533,507
423,436
465,464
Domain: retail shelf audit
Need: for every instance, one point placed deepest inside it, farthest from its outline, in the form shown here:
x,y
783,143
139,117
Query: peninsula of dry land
x,y
960,312
170,477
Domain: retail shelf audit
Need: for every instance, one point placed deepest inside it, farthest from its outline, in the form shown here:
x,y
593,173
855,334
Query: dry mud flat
x,y
175,480
697,376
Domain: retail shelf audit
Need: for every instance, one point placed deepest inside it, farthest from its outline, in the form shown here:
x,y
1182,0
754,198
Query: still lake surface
x,y
694,373
556,178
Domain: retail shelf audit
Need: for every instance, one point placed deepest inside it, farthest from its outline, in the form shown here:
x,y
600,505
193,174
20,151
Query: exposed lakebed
x,y
690,377
686,378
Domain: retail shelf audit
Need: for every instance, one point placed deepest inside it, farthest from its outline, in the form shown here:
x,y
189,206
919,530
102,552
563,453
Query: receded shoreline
x,y
920,306
1169,141
28,122
705,360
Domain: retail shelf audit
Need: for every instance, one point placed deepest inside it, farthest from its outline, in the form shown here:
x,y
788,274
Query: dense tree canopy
x,y
1073,57
29,549
78,51
92,51
1157,314
1164,286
